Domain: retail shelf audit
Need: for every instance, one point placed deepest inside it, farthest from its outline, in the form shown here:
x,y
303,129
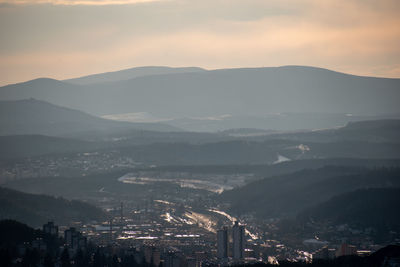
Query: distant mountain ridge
x,y
130,74
31,116
239,92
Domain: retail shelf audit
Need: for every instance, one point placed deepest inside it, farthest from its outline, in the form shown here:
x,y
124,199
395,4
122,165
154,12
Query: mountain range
x,y
239,93
131,73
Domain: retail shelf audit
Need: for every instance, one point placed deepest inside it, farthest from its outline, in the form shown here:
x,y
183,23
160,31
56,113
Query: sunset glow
x,y
64,39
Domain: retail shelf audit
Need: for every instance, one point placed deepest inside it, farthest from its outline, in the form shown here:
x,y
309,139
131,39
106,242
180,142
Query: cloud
x,y
354,36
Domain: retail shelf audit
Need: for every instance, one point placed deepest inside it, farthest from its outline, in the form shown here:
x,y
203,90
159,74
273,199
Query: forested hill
x,y
287,195
373,207
31,116
36,210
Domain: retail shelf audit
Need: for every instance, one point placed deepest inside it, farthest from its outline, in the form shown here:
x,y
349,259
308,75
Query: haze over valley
x,y
169,133
269,144
193,99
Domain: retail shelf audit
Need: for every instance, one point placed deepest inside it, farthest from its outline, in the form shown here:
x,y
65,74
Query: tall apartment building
x,y
238,235
222,244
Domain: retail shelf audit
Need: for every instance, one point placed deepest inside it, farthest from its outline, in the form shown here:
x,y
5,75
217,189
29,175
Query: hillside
x,y
32,116
19,146
36,210
270,122
376,131
372,131
238,92
357,140
188,148
288,195
287,167
374,207
13,233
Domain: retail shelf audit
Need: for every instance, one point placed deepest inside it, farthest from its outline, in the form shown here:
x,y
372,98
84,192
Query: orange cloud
x,y
354,36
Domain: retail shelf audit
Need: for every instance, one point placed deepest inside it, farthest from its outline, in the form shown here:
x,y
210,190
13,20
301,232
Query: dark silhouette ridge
x,y
131,73
36,210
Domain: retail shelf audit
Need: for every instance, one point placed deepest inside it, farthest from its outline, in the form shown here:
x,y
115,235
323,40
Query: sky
x,y
70,38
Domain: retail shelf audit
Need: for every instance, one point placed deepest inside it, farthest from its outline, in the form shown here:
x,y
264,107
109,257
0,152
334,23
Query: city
x,y
180,133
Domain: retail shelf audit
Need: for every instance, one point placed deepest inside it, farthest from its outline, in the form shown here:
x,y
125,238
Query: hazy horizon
x,y
67,39
182,133
89,75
